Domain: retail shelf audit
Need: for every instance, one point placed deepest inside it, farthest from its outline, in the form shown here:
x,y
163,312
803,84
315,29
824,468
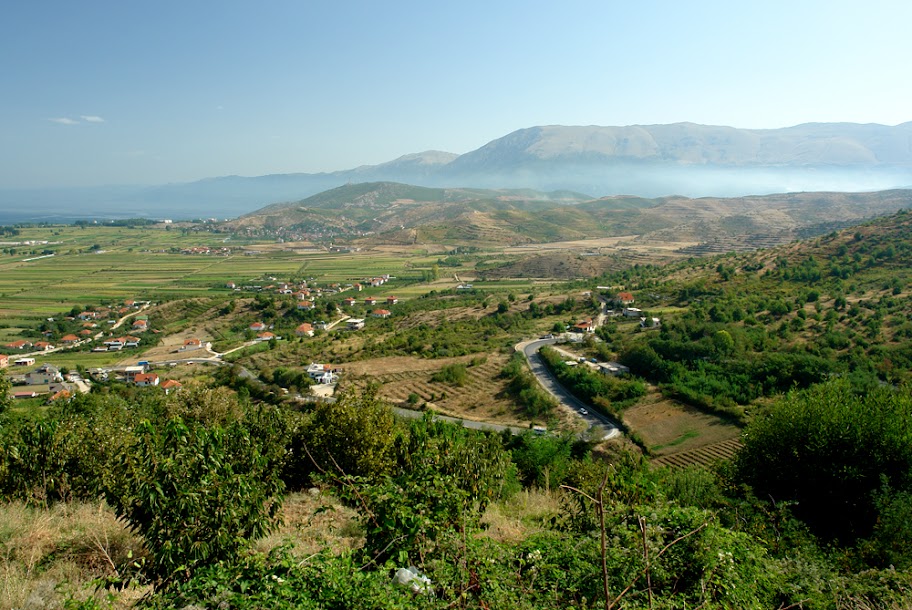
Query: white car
x,y
583,412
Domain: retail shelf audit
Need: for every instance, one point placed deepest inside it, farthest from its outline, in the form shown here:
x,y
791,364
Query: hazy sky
x,y
124,92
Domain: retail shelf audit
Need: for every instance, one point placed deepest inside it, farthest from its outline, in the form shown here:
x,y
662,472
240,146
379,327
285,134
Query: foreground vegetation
x,y
197,477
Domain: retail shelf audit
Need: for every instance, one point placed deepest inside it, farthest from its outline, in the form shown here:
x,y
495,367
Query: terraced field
x,y
479,399
701,456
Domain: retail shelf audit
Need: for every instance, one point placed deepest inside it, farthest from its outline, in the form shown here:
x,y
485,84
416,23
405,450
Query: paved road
x,y
559,392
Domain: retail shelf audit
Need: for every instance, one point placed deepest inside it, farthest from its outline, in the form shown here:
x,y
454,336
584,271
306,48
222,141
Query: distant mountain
x,y
645,160
384,212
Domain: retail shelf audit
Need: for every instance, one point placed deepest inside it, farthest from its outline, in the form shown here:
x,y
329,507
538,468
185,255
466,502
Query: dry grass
x,y
524,513
669,427
48,555
313,521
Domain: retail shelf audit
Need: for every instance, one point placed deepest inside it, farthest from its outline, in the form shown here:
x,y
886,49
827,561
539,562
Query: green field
x,y
98,265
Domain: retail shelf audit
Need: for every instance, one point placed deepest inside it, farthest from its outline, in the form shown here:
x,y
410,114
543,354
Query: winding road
x,y
559,392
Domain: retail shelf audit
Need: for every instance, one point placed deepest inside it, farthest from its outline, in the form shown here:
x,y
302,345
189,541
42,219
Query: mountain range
x,y
645,160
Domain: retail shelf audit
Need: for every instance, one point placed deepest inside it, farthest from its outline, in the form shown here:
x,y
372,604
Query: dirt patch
x,y
670,427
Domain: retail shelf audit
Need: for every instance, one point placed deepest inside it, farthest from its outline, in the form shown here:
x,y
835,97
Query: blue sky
x,y
122,92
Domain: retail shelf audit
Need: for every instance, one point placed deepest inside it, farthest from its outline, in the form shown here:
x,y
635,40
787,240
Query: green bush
x,y
195,495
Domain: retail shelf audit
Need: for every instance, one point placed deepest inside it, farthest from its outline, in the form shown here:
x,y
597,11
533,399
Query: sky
x,y
120,92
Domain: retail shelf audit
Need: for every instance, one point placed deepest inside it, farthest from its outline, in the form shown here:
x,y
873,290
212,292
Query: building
x,y
391,300
623,299
171,385
322,373
69,339
144,380
612,368
370,301
4,361
355,323
257,326
632,312
45,374
304,330
584,326
191,344
26,361
43,346
305,305
350,301
650,323
266,336
381,313
21,344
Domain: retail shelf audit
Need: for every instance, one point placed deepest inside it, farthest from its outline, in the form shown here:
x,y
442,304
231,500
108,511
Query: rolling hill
x,y
383,212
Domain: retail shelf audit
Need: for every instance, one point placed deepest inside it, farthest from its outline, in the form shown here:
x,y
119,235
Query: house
x,y
350,301
305,305
612,368
632,312
230,285
85,333
171,385
322,373
61,395
43,346
25,394
584,326
381,313
4,361
358,287
321,325
144,380
43,375
650,323
266,336
140,325
115,344
27,361
21,344
464,287
130,303
89,325
391,300
355,323
623,299
191,344
304,330
69,339
130,341
257,326
131,372
87,315
370,301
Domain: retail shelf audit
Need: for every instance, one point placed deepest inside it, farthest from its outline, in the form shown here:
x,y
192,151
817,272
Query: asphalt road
x,y
559,392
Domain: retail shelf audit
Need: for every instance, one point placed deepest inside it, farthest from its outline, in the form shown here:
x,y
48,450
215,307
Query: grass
x,y
48,555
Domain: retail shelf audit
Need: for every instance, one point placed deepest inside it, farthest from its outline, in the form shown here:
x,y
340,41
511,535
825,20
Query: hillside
x,y
385,212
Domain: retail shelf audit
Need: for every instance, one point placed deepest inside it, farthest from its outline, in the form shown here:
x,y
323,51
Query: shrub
x,y
195,495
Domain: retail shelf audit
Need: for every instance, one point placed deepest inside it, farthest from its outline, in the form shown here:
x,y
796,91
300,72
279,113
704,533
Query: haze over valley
x,y
647,161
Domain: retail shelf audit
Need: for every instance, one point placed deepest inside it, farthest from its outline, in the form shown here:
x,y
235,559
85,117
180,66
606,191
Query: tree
x,y
831,451
5,393
354,434
196,495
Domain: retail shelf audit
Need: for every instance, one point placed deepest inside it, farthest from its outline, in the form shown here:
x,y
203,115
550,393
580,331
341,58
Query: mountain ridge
x,y
647,160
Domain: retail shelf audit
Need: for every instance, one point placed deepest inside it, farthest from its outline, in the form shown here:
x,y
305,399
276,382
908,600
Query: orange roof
x,y
171,383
